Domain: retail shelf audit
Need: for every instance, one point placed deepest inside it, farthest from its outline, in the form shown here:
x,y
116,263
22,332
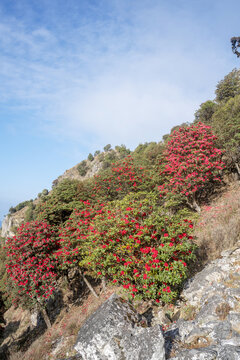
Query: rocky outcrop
x,y
12,222
93,168
214,333
117,331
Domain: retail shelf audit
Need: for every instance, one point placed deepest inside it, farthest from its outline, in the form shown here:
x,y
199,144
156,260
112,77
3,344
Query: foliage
x,y
122,150
30,265
226,125
90,157
74,233
97,152
122,178
107,147
4,288
82,168
20,206
108,159
228,87
193,162
134,243
148,155
112,156
101,157
29,214
205,112
43,193
60,203
235,41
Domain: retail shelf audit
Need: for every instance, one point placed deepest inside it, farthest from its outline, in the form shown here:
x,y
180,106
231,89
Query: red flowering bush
x,y
193,162
123,177
75,233
29,261
132,242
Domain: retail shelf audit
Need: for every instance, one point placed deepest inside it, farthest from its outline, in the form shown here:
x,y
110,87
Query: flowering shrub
x,y
123,178
29,262
193,162
133,243
75,233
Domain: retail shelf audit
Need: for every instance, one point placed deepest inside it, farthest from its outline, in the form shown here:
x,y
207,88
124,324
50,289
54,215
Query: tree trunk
x,y
46,318
89,286
194,205
104,282
238,169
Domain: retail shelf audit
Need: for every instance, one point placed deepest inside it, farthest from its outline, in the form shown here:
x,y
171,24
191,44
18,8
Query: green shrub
x,y
226,125
228,87
59,204
20,206
205,113
29,214
82,168
107,147
90,157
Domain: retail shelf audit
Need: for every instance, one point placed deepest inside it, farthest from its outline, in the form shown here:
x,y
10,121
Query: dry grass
x,y
218,228
188,312
232,282
198,342
56,342
222,311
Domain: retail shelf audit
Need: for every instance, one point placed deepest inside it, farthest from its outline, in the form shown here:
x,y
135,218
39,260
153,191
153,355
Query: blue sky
x,y
76,75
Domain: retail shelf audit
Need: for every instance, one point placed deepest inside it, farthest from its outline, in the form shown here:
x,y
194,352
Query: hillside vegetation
x,y
132,224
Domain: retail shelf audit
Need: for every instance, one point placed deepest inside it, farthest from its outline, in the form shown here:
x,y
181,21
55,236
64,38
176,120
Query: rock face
x,y
12,221
214,333
116,331
93,168
6,226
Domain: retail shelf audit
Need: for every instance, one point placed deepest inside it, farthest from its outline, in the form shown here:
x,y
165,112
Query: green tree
x,y
82,168
228,87
97,152
107,147
226,125
122,150
12,210
58,206
90,157
205,112
235,44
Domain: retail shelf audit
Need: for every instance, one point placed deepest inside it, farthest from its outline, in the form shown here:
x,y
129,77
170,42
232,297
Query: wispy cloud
x,y
119,71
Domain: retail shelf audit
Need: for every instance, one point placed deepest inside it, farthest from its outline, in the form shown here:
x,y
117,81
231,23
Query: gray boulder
x,y
116,331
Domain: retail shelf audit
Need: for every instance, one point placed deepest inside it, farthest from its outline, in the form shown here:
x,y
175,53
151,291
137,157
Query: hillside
x,y
73,310
142,223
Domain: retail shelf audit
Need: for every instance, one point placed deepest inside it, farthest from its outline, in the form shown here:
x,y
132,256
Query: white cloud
x,y
124,76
